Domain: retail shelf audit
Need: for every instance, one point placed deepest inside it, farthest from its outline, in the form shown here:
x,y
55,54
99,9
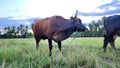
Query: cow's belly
x,y
42,36
62,35
112,28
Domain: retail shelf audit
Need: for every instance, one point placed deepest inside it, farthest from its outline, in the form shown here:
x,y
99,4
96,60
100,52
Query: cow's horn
x,y
72,15
76,13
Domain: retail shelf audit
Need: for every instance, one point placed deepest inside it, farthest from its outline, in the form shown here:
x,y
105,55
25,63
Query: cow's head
x,y
78,23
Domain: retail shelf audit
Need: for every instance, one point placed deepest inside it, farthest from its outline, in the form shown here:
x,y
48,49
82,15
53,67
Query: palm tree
x,y
8,32
21,27
5,29
18,30
26,31
26,28
13,31
0,32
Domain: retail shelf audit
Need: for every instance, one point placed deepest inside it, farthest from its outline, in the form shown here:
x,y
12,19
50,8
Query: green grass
x,y
78,53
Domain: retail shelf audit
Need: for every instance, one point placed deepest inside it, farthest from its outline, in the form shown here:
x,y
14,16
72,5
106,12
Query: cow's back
x,y
112,23
40,26
51,26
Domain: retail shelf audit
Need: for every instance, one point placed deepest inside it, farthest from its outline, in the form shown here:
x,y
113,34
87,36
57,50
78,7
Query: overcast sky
x,y
88,9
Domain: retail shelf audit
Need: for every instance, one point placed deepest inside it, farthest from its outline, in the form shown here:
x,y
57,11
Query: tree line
x,y
95,29
16,32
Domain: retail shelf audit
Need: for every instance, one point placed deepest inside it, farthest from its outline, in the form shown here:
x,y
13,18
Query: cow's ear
x,y
73,19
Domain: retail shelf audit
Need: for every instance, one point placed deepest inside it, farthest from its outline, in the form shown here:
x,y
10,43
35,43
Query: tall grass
x,y
78,53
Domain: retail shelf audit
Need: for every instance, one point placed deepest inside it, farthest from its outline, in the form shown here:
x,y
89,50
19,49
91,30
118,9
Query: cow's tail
x,y
32,25
104,20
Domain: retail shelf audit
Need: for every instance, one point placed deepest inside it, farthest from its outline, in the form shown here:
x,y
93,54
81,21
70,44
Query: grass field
x,y
80,53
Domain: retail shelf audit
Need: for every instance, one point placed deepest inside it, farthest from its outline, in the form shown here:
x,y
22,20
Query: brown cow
x,y
56,28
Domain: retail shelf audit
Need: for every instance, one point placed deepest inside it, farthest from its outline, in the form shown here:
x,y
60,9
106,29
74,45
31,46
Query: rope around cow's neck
x,y
71,40
74,37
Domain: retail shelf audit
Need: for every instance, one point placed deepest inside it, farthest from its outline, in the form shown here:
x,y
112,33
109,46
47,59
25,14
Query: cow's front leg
x,y
50,46
59,46
37,41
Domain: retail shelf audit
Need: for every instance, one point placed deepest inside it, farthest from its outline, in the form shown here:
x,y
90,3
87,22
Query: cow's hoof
x,y
104,51
114,49
62,53
50,54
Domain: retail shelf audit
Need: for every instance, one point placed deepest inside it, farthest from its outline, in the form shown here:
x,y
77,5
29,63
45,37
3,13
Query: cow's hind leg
x,y
50,46
105,43
37,41
112,42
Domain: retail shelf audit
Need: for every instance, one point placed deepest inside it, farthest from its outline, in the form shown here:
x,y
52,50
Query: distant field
x,y
78,53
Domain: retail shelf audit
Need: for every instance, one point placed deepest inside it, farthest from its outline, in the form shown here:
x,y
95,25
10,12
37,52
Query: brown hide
x,y
56,28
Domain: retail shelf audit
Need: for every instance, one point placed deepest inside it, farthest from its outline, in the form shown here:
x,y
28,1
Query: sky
x,y
88,10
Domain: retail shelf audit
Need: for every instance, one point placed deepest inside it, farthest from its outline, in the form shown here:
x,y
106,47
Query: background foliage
x,y
95,29
16,32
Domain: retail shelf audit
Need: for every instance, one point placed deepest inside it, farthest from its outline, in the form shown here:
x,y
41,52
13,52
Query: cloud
x,y
100,13
115,3
9,21
106,9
